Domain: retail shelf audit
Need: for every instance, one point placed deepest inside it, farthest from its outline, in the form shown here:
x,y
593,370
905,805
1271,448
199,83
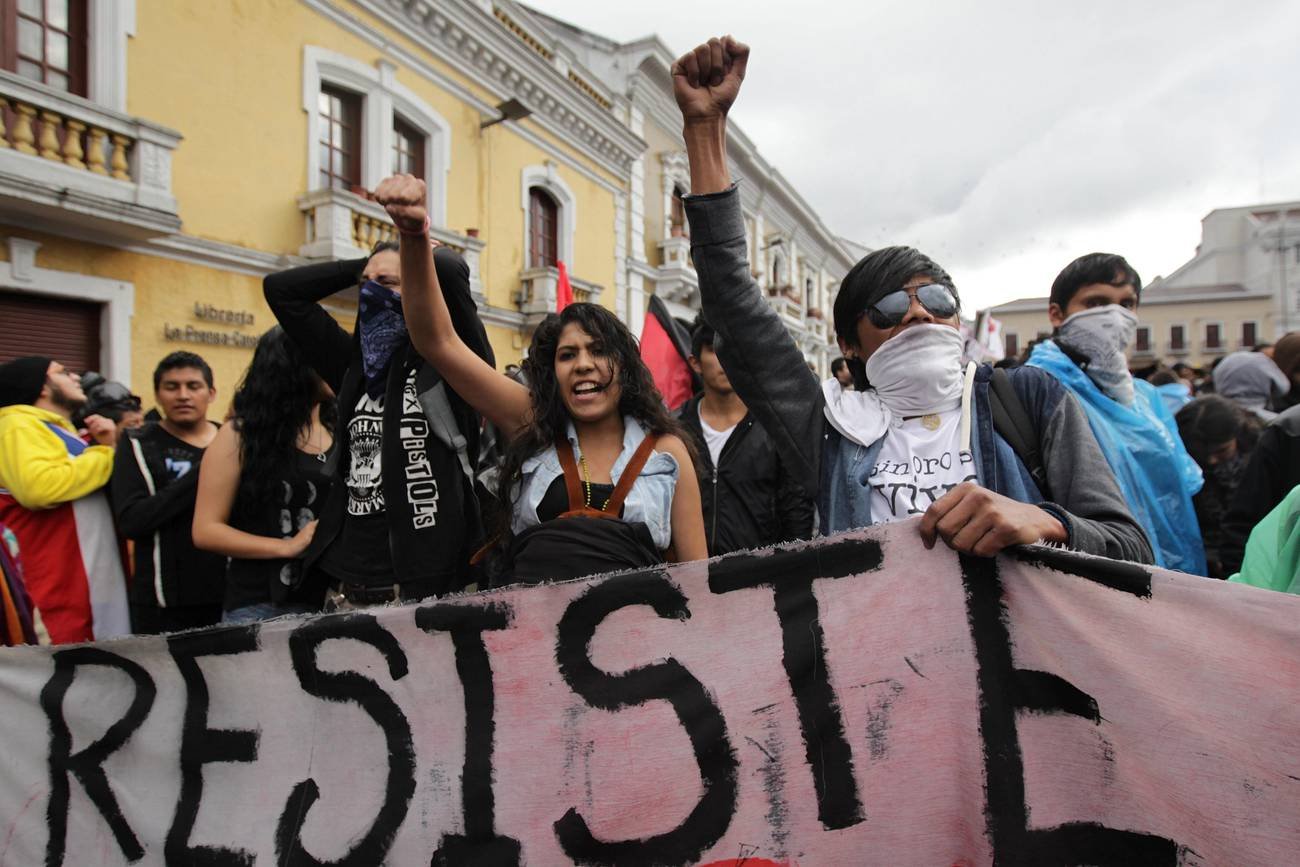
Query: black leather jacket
x,y
750,499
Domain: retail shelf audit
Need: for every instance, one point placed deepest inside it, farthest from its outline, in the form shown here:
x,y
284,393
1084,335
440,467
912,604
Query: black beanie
x,y
22,379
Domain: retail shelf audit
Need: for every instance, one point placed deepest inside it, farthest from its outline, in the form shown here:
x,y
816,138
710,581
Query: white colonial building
x,y
795,258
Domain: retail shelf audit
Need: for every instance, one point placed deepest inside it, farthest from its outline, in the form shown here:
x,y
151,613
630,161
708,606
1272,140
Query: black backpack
x,y
1012,421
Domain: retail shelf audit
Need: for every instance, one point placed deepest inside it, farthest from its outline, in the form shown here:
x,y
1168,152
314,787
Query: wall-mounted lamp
x,y
511,109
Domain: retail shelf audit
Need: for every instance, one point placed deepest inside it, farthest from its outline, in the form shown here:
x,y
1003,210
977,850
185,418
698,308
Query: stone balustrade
x,y
62,152
536,296
343,225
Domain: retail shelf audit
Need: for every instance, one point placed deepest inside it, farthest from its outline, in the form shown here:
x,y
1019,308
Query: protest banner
x,y
853,700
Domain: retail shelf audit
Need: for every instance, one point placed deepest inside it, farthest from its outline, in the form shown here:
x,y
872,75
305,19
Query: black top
x,y
556,500
303,487
361,553
155,480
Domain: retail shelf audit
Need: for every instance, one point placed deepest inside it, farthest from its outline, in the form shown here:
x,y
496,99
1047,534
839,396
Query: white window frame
x,y
20,273
381,98
547,177
109,23
1011,335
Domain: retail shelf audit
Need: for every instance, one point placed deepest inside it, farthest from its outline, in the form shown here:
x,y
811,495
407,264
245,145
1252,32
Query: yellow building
x,y
158,159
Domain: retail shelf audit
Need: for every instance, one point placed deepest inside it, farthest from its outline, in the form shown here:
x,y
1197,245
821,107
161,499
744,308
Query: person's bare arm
x,y
218,485
706,82
689,541
496,397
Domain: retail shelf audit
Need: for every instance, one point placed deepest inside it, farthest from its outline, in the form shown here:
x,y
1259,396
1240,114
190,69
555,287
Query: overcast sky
x,y
1006,138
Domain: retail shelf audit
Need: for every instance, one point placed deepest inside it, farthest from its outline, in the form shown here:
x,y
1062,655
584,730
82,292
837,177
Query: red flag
x,y
563,288
664,349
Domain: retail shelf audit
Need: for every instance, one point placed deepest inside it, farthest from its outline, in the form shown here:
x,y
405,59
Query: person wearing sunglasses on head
x,y
921,434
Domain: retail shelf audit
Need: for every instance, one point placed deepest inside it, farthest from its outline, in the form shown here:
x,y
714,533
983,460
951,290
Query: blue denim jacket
x,y
650,501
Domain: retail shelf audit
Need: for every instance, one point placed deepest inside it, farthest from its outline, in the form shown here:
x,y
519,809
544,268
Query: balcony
x,y
342,225
787,302
536,296
675,280
67,163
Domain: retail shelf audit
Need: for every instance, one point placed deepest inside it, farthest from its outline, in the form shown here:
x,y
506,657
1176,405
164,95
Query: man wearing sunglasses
x,y
1091,308
916,436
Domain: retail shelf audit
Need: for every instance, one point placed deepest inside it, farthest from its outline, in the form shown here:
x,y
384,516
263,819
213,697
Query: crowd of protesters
x,y
397,463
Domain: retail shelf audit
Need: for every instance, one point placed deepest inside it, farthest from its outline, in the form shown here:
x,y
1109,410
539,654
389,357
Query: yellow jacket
x,y
35,466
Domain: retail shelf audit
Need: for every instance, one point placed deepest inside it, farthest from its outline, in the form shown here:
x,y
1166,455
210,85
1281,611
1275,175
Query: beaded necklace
x,y
586,483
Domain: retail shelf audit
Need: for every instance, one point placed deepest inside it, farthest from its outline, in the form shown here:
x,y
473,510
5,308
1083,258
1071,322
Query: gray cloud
x,y
1000,136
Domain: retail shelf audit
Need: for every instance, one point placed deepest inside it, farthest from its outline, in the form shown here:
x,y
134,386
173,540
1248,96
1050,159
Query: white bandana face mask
x,y
1104,334
918,371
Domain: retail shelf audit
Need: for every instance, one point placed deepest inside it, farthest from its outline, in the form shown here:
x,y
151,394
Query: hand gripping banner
x,y
854,700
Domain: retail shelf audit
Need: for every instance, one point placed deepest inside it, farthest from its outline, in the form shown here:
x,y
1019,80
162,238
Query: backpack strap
x,y
572,483
1012,421
442,420
628,477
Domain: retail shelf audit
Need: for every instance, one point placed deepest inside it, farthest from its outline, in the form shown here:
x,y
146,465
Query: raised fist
x,y
706,80
404,197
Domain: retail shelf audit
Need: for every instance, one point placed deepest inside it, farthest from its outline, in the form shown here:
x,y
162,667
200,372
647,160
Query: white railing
x,y
343,225
537,293
62,149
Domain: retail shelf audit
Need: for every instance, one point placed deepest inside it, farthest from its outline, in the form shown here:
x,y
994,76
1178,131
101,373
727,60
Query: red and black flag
x,y
665,348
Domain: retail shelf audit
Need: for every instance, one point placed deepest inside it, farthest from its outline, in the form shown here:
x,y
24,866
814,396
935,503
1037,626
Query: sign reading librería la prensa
x,y
214,335
856,700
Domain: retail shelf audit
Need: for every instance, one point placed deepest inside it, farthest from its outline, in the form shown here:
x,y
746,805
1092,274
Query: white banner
x,y
856,700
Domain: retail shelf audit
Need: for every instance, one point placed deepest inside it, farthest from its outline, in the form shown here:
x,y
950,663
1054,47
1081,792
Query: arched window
x,y
543,229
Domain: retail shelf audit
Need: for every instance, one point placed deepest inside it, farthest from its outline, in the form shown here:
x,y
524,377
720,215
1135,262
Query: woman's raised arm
x,y
497,398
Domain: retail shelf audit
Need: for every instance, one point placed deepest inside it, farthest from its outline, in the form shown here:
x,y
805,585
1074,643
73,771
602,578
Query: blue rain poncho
x,y
1142,446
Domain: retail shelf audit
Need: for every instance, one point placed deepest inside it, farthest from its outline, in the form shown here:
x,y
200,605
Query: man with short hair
x,y
174,586
1091,309
840,370
52,497
750,499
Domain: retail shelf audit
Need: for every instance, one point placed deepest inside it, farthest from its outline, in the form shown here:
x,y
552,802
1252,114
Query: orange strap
x,y
629,475
577,502
564,449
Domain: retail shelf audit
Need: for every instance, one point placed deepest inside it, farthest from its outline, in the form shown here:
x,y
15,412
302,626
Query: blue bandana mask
x,y
383,330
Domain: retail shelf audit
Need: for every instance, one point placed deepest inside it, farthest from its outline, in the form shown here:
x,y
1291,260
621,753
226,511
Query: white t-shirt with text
x,y
919,462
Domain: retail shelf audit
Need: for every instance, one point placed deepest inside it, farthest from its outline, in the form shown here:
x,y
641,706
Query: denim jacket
x,y
767,370
997,467
650,501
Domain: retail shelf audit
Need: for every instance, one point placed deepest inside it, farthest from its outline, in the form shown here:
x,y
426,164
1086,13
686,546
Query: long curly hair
x,y
271,407
639,398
